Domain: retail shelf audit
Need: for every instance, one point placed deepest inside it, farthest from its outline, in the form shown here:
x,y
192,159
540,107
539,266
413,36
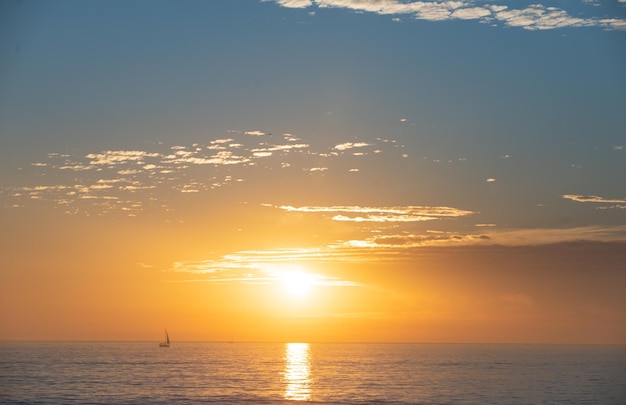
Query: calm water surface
x,y
258,373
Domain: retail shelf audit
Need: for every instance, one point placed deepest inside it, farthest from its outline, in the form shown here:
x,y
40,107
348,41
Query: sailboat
x,y
167,340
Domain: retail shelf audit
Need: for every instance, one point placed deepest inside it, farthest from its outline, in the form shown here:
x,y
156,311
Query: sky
x,y
313,170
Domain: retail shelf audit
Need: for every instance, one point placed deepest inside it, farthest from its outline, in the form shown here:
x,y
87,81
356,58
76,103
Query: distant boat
x,y
167,340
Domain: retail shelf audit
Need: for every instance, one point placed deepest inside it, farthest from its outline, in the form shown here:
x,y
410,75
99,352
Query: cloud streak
x,y
381,214
266,266
350,145
593,199
258,267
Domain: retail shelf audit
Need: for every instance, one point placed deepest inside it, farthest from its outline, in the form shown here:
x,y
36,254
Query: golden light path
x,y
297,372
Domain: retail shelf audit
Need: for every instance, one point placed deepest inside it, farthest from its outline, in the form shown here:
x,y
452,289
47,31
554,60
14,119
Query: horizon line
x,y
307,342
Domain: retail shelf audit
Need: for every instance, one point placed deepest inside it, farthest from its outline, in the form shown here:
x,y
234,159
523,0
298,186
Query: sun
x,y
296,282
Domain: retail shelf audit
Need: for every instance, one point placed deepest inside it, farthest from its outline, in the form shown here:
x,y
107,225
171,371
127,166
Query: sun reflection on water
x,y
297,372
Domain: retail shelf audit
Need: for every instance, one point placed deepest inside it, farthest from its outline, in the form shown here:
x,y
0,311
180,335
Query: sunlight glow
x,y
296,282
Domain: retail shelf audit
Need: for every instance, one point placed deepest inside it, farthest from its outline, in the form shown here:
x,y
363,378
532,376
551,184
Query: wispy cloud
x,y
532,17
258,267
255,133
295,3
593,199
269,266
115,157
542,236
350,145
381,214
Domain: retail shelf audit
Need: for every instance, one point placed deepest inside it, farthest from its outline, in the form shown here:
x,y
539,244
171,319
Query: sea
x,y
320,373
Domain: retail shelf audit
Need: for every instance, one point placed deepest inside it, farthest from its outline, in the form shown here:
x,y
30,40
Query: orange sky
x,y
105,278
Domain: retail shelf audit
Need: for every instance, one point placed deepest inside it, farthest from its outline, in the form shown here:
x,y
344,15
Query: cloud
x,y
471,13
254,133
278,148
269,266
266,266
113,157
435,11
408,241
144,175
350,145
291,138
258,267
592,199
381,214
544,236
76,167
220,141
220,158
263,266
295,3
539,17
532,17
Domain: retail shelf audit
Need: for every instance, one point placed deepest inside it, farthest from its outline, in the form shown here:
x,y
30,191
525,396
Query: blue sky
x,y
539,111
378,125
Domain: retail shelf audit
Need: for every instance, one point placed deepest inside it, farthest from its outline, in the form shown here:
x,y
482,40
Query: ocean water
x,y
267,373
